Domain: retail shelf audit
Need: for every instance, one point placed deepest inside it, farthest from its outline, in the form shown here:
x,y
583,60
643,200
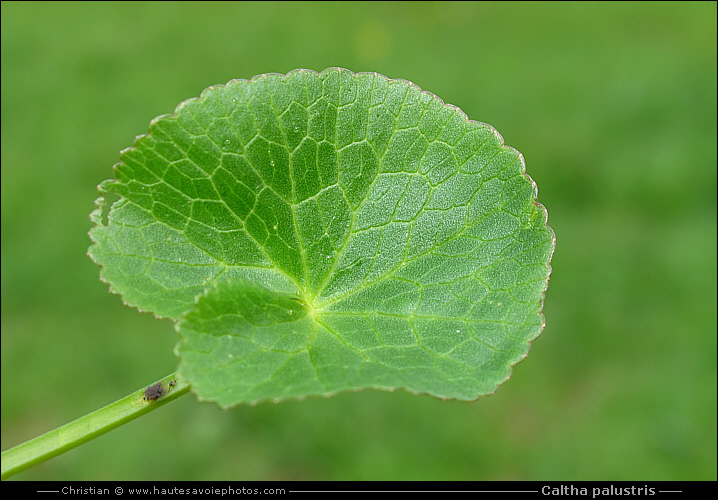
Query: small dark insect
x,y
172,383
154,392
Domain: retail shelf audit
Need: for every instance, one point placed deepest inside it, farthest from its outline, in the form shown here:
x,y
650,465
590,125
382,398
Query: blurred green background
x,y
613,106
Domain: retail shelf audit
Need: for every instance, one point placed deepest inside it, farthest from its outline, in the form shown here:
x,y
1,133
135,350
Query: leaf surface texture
x,y
319,232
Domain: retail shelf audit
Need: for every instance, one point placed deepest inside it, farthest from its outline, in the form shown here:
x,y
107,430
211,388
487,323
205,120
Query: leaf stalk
x,y
92,425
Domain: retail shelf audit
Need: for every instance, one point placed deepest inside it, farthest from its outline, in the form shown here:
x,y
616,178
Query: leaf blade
x,y
410,234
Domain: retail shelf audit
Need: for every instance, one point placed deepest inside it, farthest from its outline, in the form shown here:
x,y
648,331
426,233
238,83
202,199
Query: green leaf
x,y
318,232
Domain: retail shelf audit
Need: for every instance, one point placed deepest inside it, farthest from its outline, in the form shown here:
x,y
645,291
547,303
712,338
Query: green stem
x,y
90,426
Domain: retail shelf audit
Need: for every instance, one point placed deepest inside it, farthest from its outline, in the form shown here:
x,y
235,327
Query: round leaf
x,y
318,232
